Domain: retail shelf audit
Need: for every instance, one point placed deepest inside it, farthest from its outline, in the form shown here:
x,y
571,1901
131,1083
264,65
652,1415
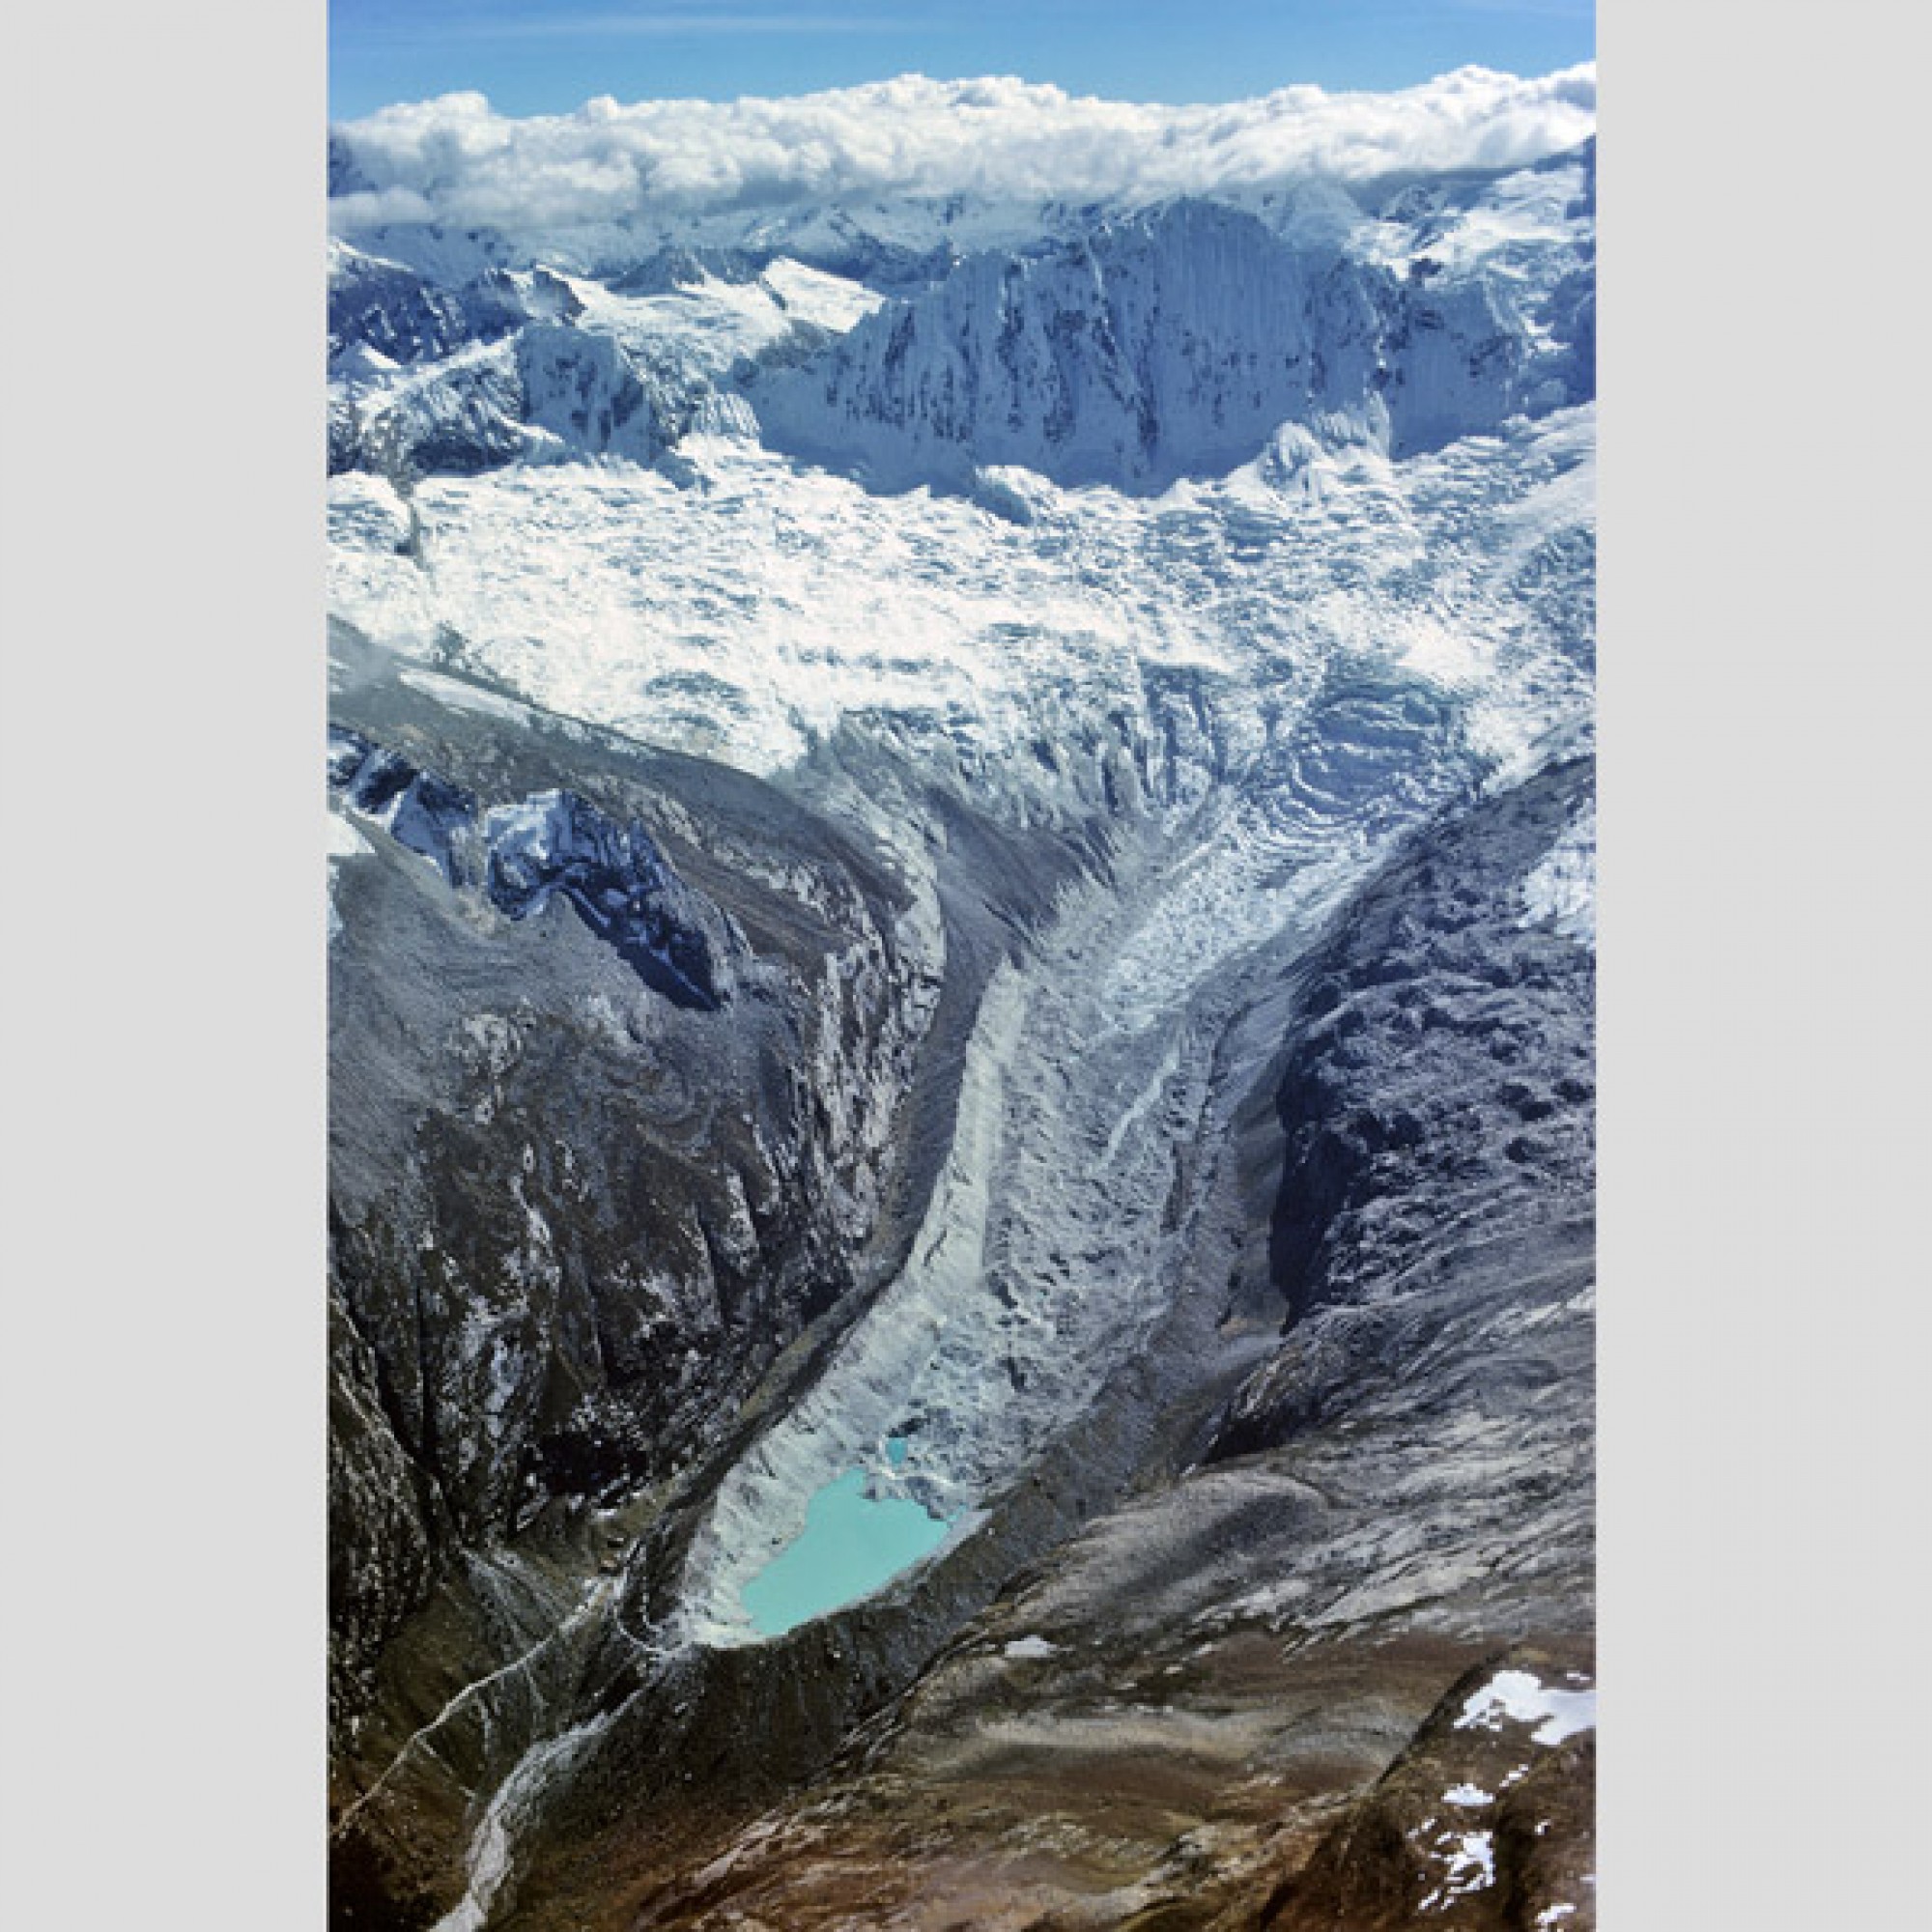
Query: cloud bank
x,y
455,160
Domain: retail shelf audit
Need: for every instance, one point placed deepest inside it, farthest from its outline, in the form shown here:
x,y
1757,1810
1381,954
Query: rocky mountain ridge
x,y
1125,349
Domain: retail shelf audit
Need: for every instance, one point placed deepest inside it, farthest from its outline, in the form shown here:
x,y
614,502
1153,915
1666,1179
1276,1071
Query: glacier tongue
x,y
1046,1251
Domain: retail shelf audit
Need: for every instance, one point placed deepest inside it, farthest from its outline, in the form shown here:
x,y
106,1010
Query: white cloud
x,y
455,160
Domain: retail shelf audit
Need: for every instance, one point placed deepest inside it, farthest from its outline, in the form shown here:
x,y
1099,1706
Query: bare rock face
x,y
1438,1111
404,317
534,387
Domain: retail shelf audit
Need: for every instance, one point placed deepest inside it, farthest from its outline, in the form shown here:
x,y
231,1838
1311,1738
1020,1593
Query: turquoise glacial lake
x,y
851,1545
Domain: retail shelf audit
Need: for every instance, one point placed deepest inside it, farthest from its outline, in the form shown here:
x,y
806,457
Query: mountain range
x,y
961,832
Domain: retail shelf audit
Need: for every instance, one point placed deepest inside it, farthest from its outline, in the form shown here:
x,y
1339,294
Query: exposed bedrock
x,y
404,317
1437,1107
534,389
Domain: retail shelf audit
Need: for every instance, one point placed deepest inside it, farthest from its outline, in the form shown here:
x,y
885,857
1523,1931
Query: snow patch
x,y
1522,1699
1469,1864
344,841
1561,892
1031,1647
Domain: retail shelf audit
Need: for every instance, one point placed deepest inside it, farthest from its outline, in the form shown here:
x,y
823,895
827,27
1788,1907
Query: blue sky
x,y
534,58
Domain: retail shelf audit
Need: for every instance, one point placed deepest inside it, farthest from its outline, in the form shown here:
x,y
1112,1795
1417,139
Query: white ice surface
x,y
754,607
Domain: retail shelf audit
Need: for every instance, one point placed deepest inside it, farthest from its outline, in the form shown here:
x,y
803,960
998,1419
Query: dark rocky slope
x,y
639,1072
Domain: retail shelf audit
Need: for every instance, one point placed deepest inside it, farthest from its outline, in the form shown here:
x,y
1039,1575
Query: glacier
x,y
885,682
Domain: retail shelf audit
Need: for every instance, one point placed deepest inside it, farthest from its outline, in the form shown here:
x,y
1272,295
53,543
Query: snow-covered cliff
x,y
1089,345
1173,344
